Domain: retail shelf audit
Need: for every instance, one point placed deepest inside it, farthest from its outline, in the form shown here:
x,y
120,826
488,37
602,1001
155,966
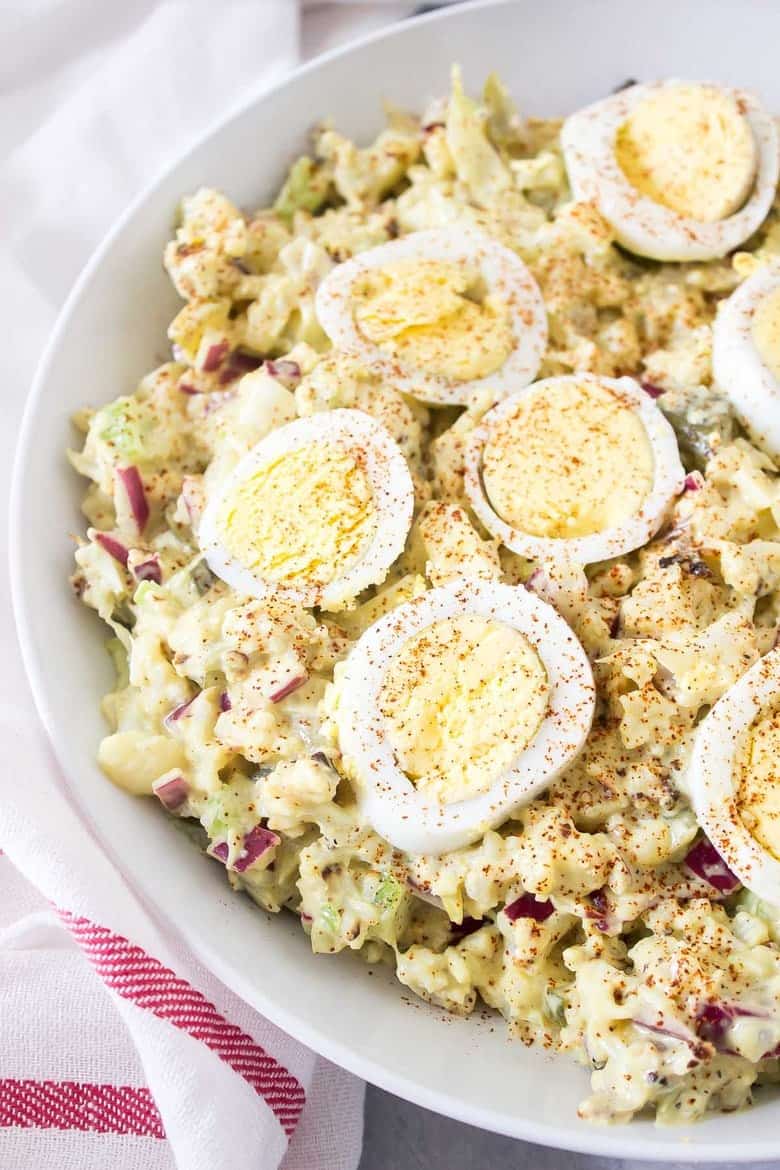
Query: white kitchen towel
x,y
116,1048
113,1038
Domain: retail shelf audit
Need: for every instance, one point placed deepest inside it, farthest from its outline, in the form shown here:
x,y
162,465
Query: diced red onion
x,y
136,495
238,363
215,355
598,909
285,370
694,482
256,842
172,793
287,689
175,715
599,901
652,390
148,570
529,906
224,701
220,850
461,930
714,1019
705,861
186,388
113,547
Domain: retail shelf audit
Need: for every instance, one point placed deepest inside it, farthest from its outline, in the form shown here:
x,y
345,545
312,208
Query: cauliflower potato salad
x,y
442,569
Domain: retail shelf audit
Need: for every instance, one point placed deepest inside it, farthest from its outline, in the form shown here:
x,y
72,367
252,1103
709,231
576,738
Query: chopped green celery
x,y
305,189
758,907
181,586
554,1005
118,656
213,817
682,825
228,814
216,826
143,590
477,162
118,425
388,892
503,122
329,917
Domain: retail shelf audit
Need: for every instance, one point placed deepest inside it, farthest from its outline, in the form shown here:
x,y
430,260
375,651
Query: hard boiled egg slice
x,y
746,354
735,777
442,314
580,467
456,708
682,170
319,510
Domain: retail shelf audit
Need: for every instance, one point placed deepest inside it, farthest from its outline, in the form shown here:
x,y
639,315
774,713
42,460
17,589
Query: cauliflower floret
x,y
133,760
554,858
450,979
212,236
452,546
295,794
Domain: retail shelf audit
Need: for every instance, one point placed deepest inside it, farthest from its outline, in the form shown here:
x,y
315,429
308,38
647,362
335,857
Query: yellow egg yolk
x,y
307,515
428,315
689,148
568,462
461,700
766,332
758,793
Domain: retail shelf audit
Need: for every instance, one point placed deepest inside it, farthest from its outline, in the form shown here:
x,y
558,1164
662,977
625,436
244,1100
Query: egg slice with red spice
x,y
734,776
681,170
456,708
577,467
318,510
442,314
746,354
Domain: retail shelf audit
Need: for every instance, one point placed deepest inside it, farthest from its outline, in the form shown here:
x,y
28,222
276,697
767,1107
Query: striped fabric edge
x,y
135,975
73,1105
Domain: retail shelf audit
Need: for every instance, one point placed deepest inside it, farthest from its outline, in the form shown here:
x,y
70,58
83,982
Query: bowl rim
x,y
615,1142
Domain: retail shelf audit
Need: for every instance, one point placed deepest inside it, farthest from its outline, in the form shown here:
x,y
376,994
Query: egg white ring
x,y
711,773
393,495
641,225
737,366
387,797
505,276
668,480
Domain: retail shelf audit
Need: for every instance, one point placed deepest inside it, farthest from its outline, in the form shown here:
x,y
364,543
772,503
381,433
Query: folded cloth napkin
x,y
117,1049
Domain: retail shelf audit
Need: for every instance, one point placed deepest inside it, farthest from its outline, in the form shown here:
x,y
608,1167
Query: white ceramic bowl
x,y
555,55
